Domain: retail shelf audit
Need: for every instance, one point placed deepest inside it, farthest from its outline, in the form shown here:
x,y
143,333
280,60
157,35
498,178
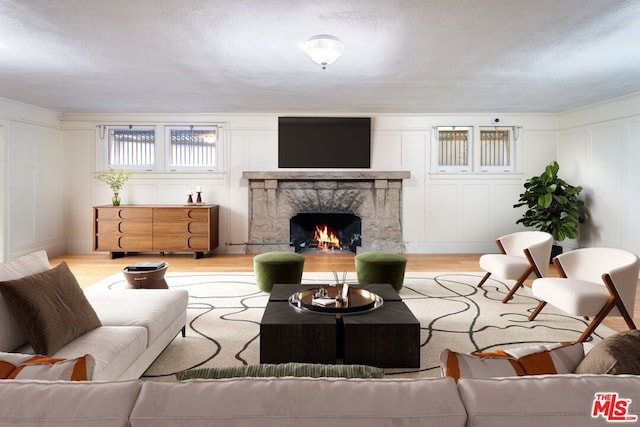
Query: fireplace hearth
x,y
374,197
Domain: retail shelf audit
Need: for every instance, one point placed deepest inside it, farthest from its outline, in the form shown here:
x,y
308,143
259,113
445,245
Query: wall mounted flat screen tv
x,y
324,142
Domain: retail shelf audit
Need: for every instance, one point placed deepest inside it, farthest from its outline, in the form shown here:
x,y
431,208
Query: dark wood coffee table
x,y
387,337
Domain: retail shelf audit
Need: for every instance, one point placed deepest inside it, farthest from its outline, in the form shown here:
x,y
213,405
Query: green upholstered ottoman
x,y
277,267
381,267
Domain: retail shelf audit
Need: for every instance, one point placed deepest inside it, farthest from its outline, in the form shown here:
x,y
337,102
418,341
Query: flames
x,y
327,240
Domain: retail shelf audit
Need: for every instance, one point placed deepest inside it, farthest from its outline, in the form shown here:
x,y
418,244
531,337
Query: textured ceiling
x,y
401,56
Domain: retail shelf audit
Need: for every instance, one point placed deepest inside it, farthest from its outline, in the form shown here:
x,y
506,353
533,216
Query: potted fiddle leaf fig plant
x,y
552,205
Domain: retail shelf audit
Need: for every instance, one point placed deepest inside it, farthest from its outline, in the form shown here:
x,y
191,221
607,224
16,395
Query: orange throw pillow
x,y
29,366
559,358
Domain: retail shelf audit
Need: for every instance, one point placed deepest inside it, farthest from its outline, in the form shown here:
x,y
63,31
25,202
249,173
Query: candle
x,y
198,189
188,192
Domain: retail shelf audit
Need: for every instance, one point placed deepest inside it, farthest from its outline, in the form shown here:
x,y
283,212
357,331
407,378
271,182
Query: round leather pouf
x,y
146,279
381,267
277,268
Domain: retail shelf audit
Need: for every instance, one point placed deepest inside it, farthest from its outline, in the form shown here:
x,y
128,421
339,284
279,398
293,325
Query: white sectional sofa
x,y
136,324
558,400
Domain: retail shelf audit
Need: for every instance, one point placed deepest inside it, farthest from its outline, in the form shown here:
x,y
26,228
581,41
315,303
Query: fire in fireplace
x,y
326,232
325,237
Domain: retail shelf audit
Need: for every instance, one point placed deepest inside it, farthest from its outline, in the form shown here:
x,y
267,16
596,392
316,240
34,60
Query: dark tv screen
x,y
324,142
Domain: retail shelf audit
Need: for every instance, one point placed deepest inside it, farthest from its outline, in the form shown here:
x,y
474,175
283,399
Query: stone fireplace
x,y
275,197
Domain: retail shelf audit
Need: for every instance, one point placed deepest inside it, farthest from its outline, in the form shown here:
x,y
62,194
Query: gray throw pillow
x,y
313,370
617,354
51,308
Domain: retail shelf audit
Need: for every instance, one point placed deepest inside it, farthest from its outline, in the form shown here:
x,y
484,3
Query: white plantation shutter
x,y
496,150
454,148
131,148
473,149
193,147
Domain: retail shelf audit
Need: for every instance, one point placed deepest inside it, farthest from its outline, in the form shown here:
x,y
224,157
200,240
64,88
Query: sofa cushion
x,y
313,370
616,354
154,309
547,400
301,402
559,358
29,366
67,403
12,335
114,348
51,308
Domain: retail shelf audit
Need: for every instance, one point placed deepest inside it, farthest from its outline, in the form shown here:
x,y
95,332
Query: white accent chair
x,y
595,282
523,254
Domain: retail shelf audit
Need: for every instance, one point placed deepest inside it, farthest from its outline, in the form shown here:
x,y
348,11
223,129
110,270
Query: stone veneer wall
x,y
275,197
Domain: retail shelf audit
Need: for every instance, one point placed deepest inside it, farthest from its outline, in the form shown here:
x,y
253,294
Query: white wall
x,y
458,213
599,148
47,187
441,213
33,191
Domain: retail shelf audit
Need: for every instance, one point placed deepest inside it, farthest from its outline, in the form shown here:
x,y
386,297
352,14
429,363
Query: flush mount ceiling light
x,y
324,49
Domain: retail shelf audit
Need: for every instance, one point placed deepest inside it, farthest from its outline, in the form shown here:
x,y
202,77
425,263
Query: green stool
x,y
277,267
381,267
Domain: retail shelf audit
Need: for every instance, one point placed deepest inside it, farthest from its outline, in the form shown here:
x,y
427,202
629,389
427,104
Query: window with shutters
x,y
473,149
159,147
496,150
454,148
131,148
192,147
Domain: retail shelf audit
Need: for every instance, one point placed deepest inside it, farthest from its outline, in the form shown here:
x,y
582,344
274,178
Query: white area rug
x,y
224,312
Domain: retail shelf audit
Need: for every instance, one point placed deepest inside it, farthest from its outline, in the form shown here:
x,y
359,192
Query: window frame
x,y
161,152
510,167
107,142
437,146
475,159
196,168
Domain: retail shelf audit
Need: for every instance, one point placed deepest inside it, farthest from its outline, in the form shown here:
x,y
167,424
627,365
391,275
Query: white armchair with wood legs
x,y
522,255
595,282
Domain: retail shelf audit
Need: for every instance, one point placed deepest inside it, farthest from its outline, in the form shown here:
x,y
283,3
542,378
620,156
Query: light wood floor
x,y
89,268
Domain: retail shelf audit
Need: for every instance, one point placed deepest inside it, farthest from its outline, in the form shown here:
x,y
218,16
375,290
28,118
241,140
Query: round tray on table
x,y
359,300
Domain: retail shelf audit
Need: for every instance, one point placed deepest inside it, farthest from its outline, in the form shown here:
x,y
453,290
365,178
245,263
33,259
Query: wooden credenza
x,y
157,228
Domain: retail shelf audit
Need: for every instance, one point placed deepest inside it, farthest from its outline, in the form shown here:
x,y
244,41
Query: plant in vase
x,y
552,205
115,179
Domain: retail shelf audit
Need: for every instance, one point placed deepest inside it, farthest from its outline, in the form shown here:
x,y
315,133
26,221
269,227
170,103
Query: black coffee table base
x,y
388,337
290,336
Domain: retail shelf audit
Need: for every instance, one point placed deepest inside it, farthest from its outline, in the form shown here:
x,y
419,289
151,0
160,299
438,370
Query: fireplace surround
x,y
277,196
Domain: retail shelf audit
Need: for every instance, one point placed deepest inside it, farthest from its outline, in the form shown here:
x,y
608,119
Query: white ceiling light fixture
x,y
324,49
